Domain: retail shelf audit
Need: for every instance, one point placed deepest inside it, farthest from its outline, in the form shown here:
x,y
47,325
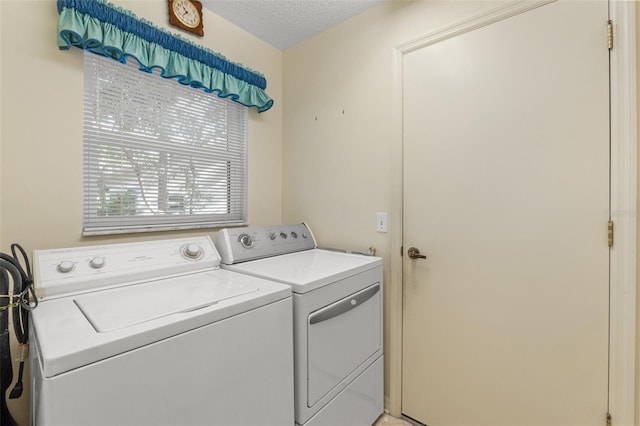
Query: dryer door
x,y
342,337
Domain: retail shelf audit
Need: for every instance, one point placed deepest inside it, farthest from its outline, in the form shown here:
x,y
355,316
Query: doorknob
x,y
414,253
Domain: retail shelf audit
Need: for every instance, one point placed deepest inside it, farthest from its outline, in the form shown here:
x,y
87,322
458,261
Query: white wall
x,y
41,91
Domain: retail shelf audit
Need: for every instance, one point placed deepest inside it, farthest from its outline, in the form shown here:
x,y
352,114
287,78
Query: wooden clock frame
x,y
175,21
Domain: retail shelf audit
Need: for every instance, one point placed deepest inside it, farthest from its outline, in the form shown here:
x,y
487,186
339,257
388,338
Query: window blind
x,y
158,155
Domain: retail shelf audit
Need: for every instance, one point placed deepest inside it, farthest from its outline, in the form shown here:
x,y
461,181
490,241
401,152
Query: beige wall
x,y
337,170
637,414
332,169
0,128
41,91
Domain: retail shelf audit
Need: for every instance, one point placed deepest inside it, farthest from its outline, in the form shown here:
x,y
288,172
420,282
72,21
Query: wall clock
x,y
186,14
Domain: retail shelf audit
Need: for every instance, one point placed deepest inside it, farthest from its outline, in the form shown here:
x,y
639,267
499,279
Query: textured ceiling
x,y
284,23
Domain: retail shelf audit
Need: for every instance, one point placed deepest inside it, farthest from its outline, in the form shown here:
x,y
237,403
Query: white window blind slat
x,y
159,155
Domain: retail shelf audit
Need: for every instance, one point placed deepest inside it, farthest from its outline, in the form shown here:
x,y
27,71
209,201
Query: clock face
x,y
186,12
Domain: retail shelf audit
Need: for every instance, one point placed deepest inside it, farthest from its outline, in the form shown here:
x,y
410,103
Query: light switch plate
x,y
381,222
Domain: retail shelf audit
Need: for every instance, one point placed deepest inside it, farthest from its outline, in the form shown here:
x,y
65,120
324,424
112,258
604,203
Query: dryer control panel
x,y
256,242
61,272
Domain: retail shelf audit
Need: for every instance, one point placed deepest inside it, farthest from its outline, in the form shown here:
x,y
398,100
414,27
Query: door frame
x,y
622,273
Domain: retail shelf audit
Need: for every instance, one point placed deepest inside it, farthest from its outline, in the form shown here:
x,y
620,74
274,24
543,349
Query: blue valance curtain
x,y
108,30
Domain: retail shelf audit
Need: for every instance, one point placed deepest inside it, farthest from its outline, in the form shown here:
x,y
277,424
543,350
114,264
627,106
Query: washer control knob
x,y
97,262
245,241
192,251
65,266
294,234
283,235
272,236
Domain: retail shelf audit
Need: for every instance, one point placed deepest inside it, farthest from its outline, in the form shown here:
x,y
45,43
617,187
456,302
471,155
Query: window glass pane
x,y
157,154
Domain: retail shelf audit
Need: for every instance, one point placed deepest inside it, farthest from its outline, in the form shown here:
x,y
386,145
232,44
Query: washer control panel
x,y
61,272
237,245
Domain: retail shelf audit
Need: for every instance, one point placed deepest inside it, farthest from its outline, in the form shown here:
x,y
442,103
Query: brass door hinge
x,y
609,422
610,233
610,34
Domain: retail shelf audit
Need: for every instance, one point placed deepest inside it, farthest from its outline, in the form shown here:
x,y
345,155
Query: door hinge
x,y
609,421
610,34
610,233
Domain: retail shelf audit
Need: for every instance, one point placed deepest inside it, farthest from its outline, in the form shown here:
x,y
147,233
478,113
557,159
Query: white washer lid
x,y
307,270
124,307
65,339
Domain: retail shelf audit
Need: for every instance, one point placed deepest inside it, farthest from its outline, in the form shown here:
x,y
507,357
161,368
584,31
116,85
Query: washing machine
x,y
155,333
337,306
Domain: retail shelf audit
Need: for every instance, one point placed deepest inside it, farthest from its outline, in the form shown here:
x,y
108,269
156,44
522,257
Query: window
x,y
157,154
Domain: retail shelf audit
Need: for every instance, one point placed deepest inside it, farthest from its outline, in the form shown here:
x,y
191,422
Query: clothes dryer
x,y
337,305
155,333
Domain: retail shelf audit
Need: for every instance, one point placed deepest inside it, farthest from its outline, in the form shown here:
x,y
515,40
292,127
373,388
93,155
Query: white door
x,y
506,191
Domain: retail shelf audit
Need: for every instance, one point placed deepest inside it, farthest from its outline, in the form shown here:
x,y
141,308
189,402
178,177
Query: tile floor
x,y
387,420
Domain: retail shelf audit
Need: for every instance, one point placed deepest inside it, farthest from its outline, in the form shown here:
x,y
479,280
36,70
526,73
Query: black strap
x,y
6,370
